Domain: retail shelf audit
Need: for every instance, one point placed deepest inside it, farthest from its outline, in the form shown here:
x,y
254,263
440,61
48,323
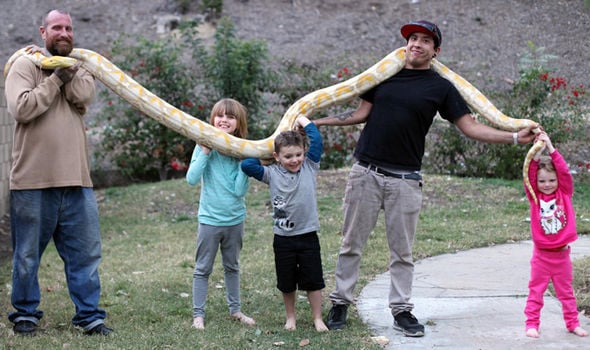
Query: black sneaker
x,y
408,324
100,329
25,327
337,317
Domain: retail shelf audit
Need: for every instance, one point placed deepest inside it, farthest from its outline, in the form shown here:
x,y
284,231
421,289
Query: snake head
x,y
53,62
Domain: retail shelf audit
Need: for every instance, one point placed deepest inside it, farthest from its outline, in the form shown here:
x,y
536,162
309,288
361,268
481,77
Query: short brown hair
x,y
290,138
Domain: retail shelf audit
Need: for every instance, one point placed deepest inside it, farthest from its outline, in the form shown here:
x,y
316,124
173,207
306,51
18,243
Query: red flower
x,y
177,165
544,76
341,73
188,104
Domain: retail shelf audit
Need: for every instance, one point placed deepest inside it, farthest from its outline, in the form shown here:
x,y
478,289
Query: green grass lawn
x,y
149,239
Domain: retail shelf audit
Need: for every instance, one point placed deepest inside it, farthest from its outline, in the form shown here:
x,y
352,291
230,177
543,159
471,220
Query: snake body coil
x,y
204,133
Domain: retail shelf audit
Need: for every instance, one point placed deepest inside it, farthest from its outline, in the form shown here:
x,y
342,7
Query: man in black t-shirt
x,y
398,114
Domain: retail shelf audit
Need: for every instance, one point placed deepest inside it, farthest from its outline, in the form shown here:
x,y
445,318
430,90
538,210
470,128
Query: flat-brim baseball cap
x,y
425,27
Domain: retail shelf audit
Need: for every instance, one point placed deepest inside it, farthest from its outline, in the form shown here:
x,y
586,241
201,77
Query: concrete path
x,y
473,300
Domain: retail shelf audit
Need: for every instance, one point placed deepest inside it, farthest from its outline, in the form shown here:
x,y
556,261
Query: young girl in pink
x,y
553,228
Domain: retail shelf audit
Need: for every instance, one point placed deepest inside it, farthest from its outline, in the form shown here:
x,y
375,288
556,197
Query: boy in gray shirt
x,y
292,184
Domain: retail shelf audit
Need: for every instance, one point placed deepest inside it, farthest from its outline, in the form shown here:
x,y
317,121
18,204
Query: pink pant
x,y
556,267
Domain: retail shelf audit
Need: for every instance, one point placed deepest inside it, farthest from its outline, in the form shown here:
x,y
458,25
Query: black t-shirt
x,y
404,107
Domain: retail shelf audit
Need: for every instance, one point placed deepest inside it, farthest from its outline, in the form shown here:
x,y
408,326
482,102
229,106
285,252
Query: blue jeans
x,y
69,215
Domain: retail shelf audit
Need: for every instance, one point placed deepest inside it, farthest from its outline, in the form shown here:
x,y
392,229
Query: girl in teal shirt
x,y
222,211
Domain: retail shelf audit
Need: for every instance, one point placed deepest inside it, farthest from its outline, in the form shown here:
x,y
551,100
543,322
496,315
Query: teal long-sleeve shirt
x,y
223,187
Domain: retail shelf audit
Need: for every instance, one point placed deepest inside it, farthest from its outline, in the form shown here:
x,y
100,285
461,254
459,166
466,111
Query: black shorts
x,y
298,262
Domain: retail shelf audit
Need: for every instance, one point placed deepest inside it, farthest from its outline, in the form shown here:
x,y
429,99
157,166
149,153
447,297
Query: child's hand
x,y
543,136
205,149
549,145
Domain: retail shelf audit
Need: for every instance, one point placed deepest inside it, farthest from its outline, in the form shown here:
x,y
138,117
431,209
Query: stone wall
x,y
6,131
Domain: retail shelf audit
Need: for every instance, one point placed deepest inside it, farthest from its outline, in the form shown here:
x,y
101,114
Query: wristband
x,y
515,138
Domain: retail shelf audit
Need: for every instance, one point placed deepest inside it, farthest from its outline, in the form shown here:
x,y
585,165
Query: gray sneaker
x,y
408,324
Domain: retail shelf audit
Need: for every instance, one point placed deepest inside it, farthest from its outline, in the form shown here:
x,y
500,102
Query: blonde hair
x,y
545,163
230,106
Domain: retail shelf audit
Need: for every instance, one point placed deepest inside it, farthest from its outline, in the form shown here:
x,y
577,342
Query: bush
x,y
211,7
539,95
300,80
142,148
237,69
145,150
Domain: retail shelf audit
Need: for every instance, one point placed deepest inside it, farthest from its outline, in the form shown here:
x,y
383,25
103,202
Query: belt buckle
x,y
381,171
372,167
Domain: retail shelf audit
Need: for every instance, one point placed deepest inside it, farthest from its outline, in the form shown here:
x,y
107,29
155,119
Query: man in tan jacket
x,y
51,194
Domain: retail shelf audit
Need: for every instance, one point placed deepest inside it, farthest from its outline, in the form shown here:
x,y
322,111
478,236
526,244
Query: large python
x,y
204,133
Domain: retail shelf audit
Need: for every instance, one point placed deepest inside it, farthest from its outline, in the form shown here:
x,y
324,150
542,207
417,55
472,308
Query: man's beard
x,y
61,48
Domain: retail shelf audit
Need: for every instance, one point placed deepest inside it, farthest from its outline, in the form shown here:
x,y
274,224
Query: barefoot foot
x,y
199,323
291,324
580,332
239,316
532,332
320,326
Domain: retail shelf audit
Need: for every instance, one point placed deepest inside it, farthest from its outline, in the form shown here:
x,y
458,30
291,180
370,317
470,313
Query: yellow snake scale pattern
x,y
204,133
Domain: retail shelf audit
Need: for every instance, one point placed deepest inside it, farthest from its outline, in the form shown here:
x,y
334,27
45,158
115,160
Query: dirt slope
x,y
482,40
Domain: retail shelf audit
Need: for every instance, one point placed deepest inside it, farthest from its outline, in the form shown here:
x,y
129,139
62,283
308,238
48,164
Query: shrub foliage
x,y
142,148
540,95
191,77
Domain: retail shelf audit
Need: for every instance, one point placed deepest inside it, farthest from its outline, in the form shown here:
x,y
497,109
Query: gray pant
x,y
367,193
229,240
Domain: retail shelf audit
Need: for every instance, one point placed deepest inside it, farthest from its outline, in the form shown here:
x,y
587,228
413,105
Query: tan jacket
x,y
50,147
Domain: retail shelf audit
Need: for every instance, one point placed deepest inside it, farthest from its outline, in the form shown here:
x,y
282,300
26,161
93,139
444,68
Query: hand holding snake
x,y
206,134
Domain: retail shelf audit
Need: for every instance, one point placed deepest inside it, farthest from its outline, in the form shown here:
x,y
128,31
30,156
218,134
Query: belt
x,y
409,176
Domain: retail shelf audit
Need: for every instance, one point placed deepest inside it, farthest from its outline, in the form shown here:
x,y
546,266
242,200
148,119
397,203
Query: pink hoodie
x,y
553,220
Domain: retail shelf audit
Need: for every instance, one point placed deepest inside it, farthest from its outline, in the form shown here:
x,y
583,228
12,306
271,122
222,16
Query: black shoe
x,y
25,327
337,317
100,329
408,324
